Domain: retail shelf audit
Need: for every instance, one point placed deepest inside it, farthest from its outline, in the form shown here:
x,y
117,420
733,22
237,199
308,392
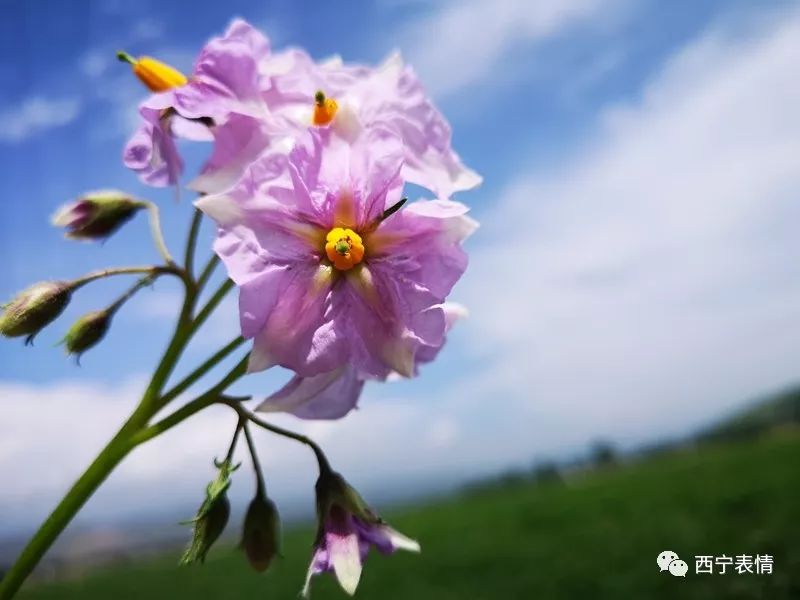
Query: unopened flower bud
x,y
211,517
261,533
156,75
97,215
87,331
34,308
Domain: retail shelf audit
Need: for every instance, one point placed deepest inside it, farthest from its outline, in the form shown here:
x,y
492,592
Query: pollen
x,y
156,75
324,110
344,248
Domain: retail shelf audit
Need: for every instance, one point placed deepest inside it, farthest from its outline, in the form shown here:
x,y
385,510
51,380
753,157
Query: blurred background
x,y
624,385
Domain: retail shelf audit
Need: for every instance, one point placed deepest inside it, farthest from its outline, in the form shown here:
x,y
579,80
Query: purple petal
x,y
326,396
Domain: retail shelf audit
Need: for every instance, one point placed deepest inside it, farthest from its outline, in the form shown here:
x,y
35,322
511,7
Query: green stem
x,y
117,449
234,441
204,368
322,460
153,270
135,430
205,274
191,242
158,236
132,434
143,282
261,486
212,304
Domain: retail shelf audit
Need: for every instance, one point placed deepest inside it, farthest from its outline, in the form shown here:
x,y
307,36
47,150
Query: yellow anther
x,y
324,109
344,248
156,75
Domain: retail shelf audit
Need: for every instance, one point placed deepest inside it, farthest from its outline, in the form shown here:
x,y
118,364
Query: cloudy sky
x,y
635,276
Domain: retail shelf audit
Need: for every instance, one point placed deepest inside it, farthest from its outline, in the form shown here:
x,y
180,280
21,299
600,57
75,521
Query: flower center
x,y
324,109
344,248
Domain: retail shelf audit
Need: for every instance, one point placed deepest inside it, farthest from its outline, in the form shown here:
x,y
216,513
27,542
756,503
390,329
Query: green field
x,y
595,536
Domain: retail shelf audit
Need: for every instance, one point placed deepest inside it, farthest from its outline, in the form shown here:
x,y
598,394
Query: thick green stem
x,y
136,431
212,396
117,449
132,434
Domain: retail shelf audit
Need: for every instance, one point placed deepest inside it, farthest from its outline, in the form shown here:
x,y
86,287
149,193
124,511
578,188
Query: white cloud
x,y
650,283
96,62
146,29
50,433
34,115
460,44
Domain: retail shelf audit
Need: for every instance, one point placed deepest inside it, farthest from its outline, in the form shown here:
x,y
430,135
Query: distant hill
x,y
775,411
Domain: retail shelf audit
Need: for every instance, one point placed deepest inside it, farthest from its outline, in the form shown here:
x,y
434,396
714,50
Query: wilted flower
x,y
87,331
35,308
331,286
347,529
156,75
257,99
261,532
97,215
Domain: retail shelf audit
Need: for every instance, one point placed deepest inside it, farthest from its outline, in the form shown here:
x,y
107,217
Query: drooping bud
x,y
156,75
261,533
333,490
35,308
211,517
97,215
87,331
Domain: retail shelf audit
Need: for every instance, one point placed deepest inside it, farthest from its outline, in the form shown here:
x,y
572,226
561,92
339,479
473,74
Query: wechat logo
x,y
669,561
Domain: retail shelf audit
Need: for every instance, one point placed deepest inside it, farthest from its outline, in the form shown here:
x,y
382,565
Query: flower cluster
x,y
340,280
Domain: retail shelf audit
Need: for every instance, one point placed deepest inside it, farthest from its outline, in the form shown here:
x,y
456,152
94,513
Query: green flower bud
x,y
34,308
97,215
87,331
261,533
211,517
333,490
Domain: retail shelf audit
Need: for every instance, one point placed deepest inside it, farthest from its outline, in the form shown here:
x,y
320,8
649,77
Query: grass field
x,y
596,536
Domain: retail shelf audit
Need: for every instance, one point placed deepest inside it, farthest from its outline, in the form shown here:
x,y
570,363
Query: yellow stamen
x,y
324,110
344,248
156,75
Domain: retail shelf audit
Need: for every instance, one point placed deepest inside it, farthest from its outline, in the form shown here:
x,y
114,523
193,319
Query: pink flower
x,y
249,100
334,285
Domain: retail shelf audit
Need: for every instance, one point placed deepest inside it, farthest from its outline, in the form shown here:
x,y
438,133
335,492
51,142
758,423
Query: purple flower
x,y
347,529
223,95
332,286
255,100
390,94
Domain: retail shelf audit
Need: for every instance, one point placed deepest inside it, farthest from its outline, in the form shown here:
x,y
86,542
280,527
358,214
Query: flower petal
x,y
345,556
327,396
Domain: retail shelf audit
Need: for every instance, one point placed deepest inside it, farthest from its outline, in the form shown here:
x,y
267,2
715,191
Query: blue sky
x,y
635,274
